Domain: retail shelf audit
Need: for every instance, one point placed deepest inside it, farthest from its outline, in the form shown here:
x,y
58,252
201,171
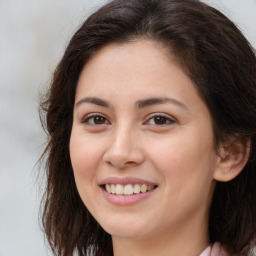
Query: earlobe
x,y
232,159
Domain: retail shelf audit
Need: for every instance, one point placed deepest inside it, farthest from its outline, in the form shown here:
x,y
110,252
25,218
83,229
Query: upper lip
x,y
125,181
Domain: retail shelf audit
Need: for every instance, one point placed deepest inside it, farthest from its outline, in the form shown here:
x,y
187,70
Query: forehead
x,y
123,74
133,65
135,57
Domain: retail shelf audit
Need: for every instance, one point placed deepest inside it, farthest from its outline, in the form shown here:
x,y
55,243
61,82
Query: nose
x,y
124,150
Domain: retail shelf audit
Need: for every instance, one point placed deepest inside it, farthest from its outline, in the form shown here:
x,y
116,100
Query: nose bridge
x,y
123,140
123,149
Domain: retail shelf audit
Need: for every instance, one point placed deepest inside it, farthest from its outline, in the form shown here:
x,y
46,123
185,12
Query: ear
x,y
232,159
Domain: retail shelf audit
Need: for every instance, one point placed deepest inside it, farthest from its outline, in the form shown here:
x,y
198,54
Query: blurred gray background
x,y
33,36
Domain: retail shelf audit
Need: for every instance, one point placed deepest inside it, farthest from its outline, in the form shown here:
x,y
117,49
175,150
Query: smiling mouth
x,y
128,189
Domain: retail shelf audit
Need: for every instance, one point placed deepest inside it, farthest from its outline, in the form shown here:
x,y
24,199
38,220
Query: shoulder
x,y
215,250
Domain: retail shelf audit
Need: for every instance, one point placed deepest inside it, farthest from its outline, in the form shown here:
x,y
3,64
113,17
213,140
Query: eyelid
x,y
87,117
171,119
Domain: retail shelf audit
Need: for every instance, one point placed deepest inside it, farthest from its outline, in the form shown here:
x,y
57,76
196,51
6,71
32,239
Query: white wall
x,y
33,35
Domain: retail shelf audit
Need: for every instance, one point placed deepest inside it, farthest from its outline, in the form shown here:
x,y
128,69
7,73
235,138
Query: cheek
x,y
85,154
186,170
184,159
84,159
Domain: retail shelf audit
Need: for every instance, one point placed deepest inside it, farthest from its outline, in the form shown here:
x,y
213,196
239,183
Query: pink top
x,y
215,250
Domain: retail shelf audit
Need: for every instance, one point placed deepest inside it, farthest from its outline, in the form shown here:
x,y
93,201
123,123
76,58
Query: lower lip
x,y
126,200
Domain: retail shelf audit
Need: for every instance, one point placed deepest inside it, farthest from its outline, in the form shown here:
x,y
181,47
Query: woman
x,y
152,123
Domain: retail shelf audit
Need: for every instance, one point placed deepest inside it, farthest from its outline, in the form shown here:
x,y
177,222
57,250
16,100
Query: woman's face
x,y
142,143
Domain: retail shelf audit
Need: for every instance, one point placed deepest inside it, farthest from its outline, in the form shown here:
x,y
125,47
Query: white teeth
x,y
113,189
143,188
150,187
136,189
119,189
108,188
127,189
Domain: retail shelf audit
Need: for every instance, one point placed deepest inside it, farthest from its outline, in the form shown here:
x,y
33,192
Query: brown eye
x,y
95,120
99,120
160,120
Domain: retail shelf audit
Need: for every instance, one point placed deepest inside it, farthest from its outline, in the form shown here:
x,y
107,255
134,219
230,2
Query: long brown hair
x,y
221,63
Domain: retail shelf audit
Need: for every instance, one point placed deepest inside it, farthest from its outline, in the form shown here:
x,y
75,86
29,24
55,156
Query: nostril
x,y
120,164
130,163
122,159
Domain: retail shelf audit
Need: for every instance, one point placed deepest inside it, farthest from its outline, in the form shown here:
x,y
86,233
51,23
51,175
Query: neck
x,y
189,240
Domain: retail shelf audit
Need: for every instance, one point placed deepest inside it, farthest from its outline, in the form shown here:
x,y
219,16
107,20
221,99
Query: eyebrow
x,y
156,101
94,100
139,104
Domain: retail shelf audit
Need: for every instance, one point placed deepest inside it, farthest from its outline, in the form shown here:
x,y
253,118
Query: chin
x,y
125,228
129,233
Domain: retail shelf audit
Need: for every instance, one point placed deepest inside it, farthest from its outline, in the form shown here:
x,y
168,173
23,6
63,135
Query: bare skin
x,y
138,115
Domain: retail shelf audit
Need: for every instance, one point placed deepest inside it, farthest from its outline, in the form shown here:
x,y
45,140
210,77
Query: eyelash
x,y
87,118
164,117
